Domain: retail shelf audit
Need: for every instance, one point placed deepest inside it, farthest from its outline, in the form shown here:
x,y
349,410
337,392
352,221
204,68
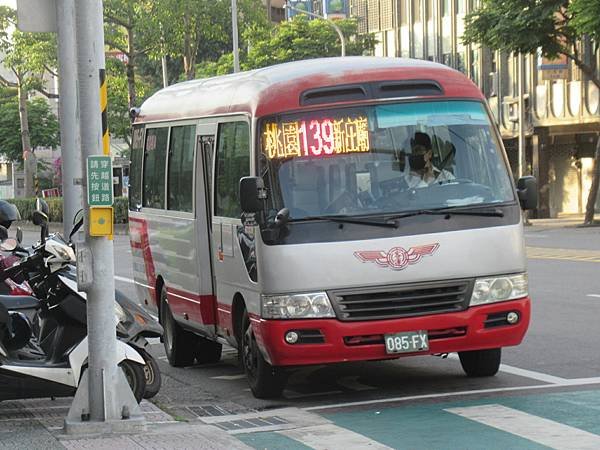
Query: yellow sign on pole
x,y
101,221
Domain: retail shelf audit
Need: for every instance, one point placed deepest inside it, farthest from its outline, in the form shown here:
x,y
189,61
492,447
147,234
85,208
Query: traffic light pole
x,y
69,118
104,401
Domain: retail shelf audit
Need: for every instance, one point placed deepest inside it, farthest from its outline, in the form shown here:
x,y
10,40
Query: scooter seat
x,y
19,302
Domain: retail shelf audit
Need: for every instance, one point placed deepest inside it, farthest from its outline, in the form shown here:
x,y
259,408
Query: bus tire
x,y
208,351
481,363
179,344
266,381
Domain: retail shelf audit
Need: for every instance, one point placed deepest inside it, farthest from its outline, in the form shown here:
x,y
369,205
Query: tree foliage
x,y
200,30
43,126
552,27
119,122
293,40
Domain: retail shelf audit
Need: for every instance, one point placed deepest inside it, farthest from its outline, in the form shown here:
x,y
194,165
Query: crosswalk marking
x,y
329,436
563,254
543,431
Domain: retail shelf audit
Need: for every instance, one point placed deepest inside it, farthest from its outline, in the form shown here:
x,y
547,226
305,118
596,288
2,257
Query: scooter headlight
x,y
120,314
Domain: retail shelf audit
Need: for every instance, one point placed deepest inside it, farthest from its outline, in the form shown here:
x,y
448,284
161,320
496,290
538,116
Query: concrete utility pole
x,y
522,116
234,31
70,143
335,27
103,402
163,61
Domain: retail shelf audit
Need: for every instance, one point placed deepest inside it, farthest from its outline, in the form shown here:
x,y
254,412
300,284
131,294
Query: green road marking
x,y
429,426
270,441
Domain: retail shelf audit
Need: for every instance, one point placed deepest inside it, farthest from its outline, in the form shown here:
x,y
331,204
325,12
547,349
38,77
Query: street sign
x,y
554,69
99,181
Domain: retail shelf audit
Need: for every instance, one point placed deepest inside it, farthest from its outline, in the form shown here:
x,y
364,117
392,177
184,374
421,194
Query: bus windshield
x,y
382,159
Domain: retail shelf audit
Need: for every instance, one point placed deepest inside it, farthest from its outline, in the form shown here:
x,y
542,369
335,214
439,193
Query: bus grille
x,y
405,300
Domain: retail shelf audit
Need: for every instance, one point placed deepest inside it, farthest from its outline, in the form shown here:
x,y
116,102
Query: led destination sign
x,y
315,137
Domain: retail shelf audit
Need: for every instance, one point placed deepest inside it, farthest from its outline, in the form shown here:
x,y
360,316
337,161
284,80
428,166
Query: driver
x,y
422,172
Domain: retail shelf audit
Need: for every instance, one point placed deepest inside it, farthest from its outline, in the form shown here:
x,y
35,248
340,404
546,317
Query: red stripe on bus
x,y
139,228
199,308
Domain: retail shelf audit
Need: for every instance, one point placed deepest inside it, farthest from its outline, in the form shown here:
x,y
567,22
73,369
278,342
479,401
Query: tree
x,y
43,126
129,30
117,78
29,57
294,40
550,27
200,30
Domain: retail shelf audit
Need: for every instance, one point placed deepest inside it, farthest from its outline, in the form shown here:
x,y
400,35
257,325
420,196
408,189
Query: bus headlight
x,y
499,289
297,306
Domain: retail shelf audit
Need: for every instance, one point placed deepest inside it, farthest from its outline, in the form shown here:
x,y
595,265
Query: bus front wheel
x,y
266,381
481,363
180,345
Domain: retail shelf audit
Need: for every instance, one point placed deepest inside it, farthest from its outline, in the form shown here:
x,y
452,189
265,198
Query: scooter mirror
x,y
19,235
8,245
78,217
39,218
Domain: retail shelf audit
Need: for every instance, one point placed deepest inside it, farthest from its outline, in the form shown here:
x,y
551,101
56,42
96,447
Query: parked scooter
x,y
134,324
57,372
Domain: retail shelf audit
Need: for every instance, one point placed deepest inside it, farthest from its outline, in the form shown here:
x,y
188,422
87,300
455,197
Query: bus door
x,y
205,138
232,162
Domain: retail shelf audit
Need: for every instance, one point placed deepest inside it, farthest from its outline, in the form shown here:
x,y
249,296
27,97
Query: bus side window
x,y
154,167
135,172
180,191
233,163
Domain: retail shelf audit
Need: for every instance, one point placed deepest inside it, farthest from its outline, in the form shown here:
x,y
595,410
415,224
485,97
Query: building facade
x,y
562,117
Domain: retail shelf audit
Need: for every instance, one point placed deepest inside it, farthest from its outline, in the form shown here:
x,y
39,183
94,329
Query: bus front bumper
x,y
323,341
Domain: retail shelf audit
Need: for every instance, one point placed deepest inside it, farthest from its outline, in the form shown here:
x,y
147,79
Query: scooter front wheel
x,y
134,373
152,374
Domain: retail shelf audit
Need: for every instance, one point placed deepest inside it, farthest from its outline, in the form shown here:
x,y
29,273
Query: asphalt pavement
x,y
550,383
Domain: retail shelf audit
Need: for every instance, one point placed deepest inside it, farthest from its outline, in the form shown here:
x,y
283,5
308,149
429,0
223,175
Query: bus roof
x,y
278,88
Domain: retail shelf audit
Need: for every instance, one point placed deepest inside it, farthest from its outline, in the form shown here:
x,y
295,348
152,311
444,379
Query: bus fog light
x,y
512,317
291,337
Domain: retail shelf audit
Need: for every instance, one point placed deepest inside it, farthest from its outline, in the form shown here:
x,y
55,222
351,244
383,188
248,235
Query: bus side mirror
x,y
528,192
252,194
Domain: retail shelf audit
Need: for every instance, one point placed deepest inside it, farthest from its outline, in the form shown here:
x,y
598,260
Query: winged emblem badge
x,y
397,258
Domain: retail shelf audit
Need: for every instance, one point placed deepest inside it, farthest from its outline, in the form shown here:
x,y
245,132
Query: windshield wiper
x,y
347,219
463,211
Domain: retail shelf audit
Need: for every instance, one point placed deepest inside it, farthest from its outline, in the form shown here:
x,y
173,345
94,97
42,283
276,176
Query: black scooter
x,y
134,324
57,370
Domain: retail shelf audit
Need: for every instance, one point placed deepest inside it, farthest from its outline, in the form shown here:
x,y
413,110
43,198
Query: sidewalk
x,y
37,424
566,221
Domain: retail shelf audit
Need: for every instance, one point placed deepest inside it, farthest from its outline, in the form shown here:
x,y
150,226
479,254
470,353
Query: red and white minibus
x,y
329,210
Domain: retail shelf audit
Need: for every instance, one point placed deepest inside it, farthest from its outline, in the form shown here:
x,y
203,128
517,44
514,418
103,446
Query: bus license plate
x,y
411,341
